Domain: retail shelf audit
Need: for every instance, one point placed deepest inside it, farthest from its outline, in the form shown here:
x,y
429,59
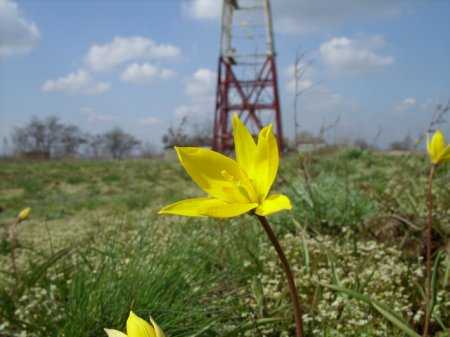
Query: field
x,y
94,247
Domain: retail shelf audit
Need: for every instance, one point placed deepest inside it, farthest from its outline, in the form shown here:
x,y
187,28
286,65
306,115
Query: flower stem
x,y
428,247
287,270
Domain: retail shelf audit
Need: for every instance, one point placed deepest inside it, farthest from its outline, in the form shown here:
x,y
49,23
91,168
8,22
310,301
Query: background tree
x,y
5,147
306,137
71,138
185,134
42,137
119,144
406,144
149,150
176,135
201,134
361,144
94,146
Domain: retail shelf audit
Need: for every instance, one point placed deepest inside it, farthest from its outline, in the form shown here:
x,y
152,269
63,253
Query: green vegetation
x,y
94,248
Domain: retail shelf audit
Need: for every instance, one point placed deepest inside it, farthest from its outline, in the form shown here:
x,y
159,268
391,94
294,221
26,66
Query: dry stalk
x,y
289,275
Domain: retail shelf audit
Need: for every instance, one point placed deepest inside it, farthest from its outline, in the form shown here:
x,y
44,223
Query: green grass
x,y
94,248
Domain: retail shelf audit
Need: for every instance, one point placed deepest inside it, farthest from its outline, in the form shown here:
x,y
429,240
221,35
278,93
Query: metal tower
x,y
247,74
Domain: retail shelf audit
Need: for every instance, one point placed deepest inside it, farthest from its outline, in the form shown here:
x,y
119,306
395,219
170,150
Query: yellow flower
x,y
23,215
137,327
233,187
438,149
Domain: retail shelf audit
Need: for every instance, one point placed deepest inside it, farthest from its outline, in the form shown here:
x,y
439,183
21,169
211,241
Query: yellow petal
x,y
266,162
437,147
429,149
158,330
244,146
274,203
446,155
137,327
219,176
114,333
207,207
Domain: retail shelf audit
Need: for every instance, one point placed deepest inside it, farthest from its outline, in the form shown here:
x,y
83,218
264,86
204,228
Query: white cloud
x,y
320,100
409,101
165,73
150,121
319,104
200,88
79,82
17,35
302,85
354,55
124,49
304,16
95,117
194,109
203,9
145,73
202,83
407,104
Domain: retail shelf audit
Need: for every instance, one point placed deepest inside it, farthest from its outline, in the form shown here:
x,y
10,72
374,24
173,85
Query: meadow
x,y
94,247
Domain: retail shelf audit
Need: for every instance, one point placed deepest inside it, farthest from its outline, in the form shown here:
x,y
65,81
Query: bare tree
x,y
301,65
53,130
406,144
5,147
118,143
29,138
148,150
94,145
20,140
306,137
361,144
201,134
324,128
47,137
185,134
176,135
377,137
439,116
71,139
39,136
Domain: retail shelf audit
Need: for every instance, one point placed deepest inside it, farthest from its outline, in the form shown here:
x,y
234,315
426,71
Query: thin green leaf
x,y
203,330
333,270
382,309
434,279
262,321
447,271
306,254
258,293
402,325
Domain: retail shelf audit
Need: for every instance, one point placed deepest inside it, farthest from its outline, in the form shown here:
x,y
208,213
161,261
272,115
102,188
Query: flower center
x,y
237,183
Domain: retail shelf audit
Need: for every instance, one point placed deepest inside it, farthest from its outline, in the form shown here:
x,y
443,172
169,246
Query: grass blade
x,y
305,254
262,321
383,310
434,279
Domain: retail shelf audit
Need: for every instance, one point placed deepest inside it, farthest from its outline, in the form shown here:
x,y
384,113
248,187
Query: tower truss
x,y
247,74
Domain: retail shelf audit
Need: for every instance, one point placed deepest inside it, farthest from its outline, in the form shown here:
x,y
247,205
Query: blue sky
x,y
143,64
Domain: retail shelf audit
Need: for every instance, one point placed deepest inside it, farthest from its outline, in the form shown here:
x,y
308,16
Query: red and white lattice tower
x,y
247,74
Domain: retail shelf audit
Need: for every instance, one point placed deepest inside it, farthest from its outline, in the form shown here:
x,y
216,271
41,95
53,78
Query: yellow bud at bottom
x,y
24,214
